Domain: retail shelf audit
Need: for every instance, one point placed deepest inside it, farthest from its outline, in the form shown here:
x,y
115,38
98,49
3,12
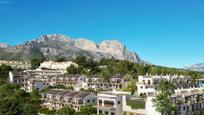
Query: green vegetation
x,y
136,104
85,110
14,101
106,68
66,111
60,59
131,87
90,90
35,63
4,72
163,101
72,69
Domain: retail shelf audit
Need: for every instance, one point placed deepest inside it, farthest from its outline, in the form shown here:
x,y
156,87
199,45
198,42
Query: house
x,y
56,99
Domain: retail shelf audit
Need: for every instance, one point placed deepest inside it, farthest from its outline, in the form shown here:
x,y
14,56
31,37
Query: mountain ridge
x,y
196,67
57,45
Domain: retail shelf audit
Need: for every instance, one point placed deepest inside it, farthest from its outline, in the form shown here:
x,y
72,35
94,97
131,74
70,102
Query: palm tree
x,y
163,101
166,87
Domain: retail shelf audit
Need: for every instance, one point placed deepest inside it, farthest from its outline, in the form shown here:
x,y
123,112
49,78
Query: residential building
x,y
45,73
16,64
188,101
114,103
147,84
27,81
56,99
51,65
82,81
200,82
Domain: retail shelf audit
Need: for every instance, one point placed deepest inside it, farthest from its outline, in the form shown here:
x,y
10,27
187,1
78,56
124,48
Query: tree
x,y
105,74
131,87
166,87
28,110
163,101
66,111
14,101
80,60
35,98
61,59
35,63
72,69
4,71
87,110
9,106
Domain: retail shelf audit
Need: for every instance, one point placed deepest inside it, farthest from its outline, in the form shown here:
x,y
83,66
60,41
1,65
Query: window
x,y
141,87
184,107
148,82
100,112
88,101
112,113
100,102
118,102
93,100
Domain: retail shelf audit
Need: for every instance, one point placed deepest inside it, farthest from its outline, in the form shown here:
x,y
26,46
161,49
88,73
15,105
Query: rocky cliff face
x,y
55,45
196,67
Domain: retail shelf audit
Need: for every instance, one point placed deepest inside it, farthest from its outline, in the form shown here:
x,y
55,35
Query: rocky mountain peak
x,y
86,44
112,45
196,67
58,37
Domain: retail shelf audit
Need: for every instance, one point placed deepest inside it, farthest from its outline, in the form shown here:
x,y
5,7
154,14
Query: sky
x,y
163,32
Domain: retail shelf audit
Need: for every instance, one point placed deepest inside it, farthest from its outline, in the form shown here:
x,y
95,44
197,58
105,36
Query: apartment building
x,y
45,73
16,64
56,99
114,83
27,81
189,101
147,84
82,81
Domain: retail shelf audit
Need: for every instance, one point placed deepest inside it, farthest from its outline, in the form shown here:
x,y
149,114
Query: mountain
x,y
196,67
56,46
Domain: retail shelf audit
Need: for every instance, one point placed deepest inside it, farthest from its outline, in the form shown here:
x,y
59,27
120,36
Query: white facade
x,y
56,99
11,77
146,84
56,65
110,103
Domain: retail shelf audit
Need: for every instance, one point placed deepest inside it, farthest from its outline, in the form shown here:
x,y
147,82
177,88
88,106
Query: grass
x,y
136,104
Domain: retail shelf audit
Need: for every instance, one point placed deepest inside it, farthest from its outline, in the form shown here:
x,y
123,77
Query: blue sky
x,y
163,32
